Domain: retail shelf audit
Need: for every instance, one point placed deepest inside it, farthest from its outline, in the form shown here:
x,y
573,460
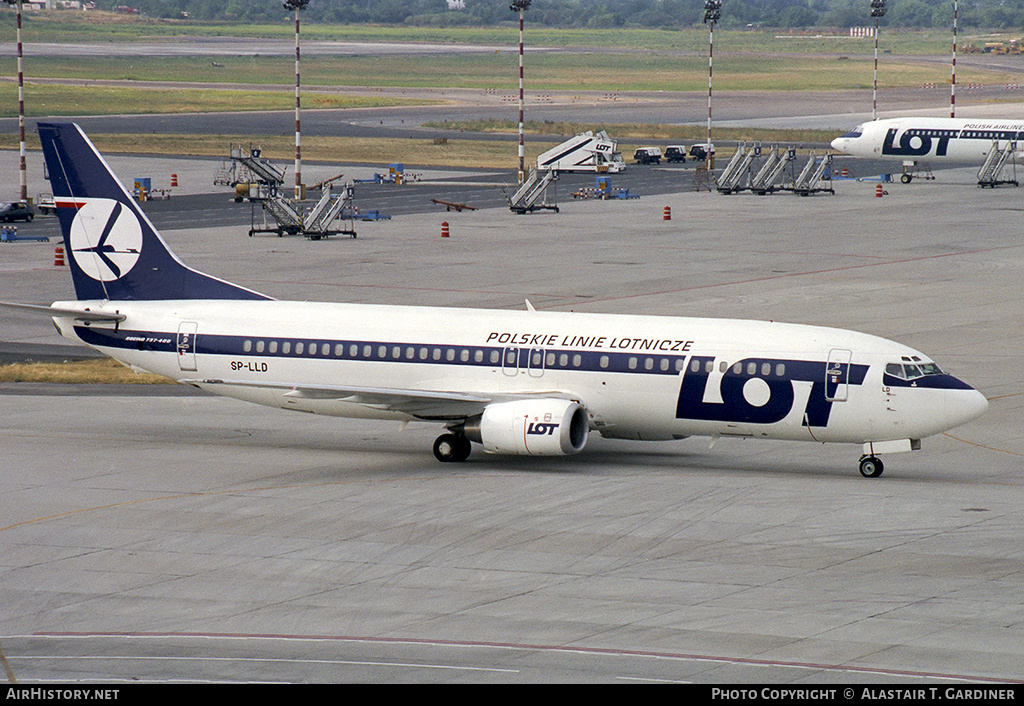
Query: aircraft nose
x,y
838,144
967,404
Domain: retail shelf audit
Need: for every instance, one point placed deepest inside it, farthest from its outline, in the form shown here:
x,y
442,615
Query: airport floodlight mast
x,y
297,5
712,13
521,6
952,85
878,12
21,106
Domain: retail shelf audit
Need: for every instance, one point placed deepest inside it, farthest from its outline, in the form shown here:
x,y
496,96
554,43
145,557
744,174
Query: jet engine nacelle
x,y
536,427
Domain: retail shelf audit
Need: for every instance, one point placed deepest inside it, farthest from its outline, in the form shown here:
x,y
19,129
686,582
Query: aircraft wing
x,y
423,404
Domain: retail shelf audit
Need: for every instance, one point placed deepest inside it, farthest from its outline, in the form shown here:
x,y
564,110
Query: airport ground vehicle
x,y
45,204
675,153
701,150
586,152
647,155
17,211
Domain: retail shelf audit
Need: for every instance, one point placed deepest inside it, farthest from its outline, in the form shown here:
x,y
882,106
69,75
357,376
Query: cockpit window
x,y
856,132
912,369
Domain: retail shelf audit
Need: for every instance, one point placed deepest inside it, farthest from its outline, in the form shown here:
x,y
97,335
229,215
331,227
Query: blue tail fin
x,y
114,252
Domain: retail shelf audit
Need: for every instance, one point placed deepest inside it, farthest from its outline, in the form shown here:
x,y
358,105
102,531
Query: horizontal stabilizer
x,y
78,314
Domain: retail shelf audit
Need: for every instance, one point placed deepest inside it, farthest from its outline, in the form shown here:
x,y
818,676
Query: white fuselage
x,y
639,377
929,139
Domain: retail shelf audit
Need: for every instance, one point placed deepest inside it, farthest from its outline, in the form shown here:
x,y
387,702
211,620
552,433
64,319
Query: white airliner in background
x,y
951,140
517,382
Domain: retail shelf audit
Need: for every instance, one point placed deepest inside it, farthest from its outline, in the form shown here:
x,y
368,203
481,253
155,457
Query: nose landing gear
x,y
871,466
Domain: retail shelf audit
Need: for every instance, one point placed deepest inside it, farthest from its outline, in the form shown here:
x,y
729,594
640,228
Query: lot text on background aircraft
x,y
516,382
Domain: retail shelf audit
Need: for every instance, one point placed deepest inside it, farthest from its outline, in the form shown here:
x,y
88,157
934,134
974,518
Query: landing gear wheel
x,y
871,466
452,448
906,178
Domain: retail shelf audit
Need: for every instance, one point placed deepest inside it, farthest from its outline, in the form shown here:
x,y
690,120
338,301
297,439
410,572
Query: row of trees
x,y
988,14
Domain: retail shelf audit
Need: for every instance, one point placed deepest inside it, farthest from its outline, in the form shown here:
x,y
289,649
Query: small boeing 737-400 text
x,y
517,382
952,140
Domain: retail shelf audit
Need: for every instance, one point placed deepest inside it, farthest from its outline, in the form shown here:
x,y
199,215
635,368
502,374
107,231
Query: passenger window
x,y
325,349
424,353
694,365
633,363
738,368
449,355
664,365
286,347
648,363
709,366
299,348
496,358
259,346
766,369
780,370
246,346
604,361
339,350
464,355
478,356
563,360
273,346
577,360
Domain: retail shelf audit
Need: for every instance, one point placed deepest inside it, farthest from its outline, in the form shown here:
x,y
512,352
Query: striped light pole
x,y
521,6
21,106
297,5
877,11
712,13
952,89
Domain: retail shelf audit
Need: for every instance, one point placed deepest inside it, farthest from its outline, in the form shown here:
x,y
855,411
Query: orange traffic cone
x,y
667,214
58,256
444,229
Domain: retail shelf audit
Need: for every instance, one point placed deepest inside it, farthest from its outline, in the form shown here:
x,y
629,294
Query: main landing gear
x,y
452,448
871,466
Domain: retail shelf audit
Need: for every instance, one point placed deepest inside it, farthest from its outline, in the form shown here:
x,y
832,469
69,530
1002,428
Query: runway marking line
x,y
600,651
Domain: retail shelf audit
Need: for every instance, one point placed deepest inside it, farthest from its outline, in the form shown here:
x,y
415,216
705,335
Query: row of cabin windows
x,y
537,358
493,357
752,368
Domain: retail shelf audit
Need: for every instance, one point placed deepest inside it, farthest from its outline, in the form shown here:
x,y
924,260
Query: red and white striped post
x,y
521,6
297,5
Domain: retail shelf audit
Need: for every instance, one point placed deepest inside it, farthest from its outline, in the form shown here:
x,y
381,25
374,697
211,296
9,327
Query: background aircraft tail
x,y
113,250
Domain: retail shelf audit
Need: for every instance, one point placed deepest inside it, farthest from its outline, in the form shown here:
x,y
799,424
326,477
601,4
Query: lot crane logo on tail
x,y
106,239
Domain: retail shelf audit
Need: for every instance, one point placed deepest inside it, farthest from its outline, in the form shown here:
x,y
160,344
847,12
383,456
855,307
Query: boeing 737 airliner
x,y
941,139
516,382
